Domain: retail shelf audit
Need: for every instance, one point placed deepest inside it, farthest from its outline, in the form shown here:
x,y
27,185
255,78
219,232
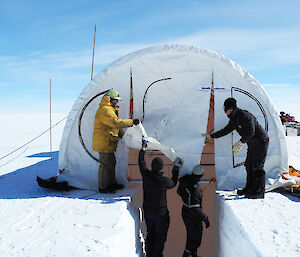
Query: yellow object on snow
x,y
294,172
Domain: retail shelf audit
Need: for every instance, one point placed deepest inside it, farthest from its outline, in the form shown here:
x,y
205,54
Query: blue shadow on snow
x,y
22,184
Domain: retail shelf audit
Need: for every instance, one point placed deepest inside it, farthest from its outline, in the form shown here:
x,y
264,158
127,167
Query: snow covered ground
x,y
267,227
38,222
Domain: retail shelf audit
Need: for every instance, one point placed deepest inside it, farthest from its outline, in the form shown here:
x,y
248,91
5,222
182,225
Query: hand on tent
x,y
208,136
237,147
136,121
144,143
178,162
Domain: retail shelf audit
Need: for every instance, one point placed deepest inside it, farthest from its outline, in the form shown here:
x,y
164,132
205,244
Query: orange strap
x,y
212,180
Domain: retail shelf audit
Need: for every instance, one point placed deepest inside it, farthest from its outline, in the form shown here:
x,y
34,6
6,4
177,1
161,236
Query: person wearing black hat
x,y
192,213
257,140
155,209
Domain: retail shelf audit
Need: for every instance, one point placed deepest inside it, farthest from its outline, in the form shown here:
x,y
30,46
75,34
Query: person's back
x,y
155,185
247,126
155,208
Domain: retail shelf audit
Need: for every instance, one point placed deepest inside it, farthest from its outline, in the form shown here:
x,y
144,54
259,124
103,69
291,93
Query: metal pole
x,y
131,97
93,53
50,124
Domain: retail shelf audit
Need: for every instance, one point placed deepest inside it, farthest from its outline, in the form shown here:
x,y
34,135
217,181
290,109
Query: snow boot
x,y
107,190
257,195
116,186
249,183
243,191
259,186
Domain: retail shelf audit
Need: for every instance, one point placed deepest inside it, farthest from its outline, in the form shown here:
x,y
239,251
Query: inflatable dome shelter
x,y
171,89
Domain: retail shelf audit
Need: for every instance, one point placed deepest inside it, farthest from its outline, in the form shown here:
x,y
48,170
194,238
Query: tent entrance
x,y
176,238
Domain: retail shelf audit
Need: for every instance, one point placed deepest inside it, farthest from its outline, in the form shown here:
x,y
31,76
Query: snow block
x,y
234,241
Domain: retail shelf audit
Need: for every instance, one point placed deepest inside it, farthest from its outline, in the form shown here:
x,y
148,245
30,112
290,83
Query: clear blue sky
x,y
40,40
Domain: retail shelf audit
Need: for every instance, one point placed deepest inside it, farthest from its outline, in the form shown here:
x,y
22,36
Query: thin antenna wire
x,y
32,139
50,124
93,53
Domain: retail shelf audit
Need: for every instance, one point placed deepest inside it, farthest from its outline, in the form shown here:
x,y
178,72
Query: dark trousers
x,y
193,224
106,171
254,165
157,229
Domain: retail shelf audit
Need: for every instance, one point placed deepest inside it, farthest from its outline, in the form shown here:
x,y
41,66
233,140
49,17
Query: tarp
x,y
284,180
134,136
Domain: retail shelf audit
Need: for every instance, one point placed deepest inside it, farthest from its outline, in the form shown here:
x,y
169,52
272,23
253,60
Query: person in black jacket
x,y
192,213
257,141
156,213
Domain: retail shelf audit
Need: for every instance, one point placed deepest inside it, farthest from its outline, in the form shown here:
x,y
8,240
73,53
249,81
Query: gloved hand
x,y
144,142
208,136
136,121
237,147
206,221
178,162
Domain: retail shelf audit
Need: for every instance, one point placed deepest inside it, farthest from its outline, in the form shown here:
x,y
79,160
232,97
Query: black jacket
x,y
246,125
191,195
154,187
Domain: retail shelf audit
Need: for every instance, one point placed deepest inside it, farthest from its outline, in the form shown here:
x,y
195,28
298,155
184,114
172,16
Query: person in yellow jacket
x,y
107,132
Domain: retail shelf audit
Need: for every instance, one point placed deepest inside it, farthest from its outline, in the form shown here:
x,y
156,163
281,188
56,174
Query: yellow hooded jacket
x,y
108,127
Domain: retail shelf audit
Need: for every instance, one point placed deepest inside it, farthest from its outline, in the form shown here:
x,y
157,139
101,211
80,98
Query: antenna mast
x,y
93,53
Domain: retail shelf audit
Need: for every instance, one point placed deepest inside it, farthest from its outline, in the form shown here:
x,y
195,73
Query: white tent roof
x,y
176,112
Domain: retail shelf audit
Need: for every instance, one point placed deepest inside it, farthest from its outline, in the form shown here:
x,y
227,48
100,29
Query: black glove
x,y
206,221
136,121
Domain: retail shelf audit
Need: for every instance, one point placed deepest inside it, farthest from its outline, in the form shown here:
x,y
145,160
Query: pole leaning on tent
x,y
93,54
50,124
131,97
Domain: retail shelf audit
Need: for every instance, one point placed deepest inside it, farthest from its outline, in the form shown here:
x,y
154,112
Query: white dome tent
x,y
176,113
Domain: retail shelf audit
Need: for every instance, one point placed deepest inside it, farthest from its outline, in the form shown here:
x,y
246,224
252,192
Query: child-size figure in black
x,y
192,213
155,208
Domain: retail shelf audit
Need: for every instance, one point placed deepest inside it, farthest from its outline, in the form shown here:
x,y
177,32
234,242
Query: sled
x,y
53,184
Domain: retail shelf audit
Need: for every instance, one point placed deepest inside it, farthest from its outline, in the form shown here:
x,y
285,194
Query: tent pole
x,y
131,97
50,124
93,54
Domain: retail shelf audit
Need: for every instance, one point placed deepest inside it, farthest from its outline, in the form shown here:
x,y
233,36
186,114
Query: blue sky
x,y
40,40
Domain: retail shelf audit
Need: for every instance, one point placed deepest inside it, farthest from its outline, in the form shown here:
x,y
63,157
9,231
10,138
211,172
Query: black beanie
x,y
157,164
229,103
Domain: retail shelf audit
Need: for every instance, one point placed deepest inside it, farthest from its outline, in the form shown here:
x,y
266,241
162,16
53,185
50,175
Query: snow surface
x,y
39,222
265,227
